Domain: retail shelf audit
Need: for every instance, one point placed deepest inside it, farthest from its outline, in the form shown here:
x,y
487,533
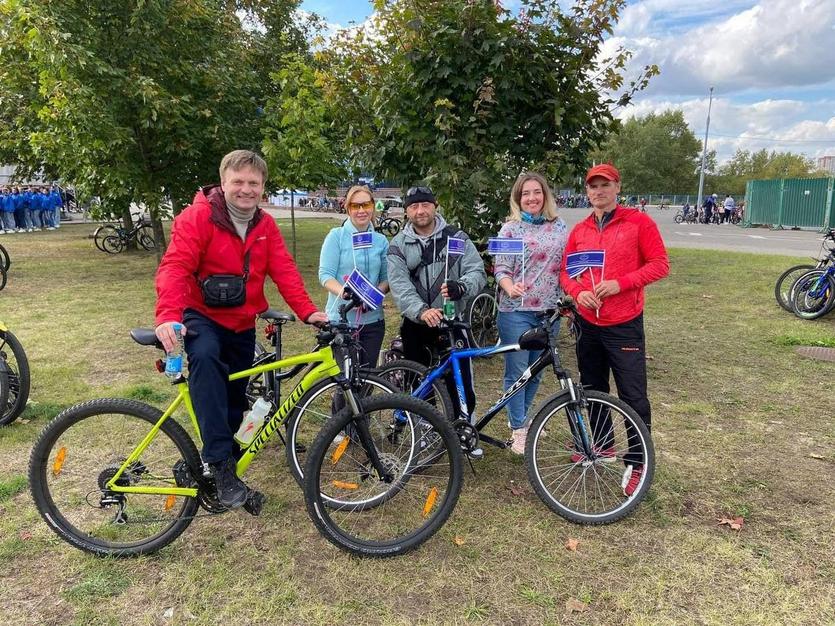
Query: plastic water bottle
x,y
252,421
174,358
449,309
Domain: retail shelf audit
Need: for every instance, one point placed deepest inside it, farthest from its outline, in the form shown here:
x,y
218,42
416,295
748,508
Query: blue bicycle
x,y
589,456
813,294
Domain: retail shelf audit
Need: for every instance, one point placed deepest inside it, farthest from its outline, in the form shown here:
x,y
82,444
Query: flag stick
x,y
596,311
523,273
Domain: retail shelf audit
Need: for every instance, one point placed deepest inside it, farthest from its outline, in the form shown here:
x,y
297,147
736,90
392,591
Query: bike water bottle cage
x,y
225,290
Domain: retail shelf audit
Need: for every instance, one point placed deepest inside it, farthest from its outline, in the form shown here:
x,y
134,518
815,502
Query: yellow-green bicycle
x,y
120,477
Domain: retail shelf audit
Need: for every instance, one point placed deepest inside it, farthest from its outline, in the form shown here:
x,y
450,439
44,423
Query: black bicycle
x,y
5,264
14,377
113,238
387,225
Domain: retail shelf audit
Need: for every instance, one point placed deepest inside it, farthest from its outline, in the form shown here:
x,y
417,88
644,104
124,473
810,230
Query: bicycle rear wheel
x,y
313,410
813,294
391,226
5,259
3,278
782,288
367,514
17,371
405,376
113,244
101,233
81,450
482,319
589,489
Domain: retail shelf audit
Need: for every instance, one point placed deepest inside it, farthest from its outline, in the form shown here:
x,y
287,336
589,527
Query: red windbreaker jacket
x,y
204,242
635,257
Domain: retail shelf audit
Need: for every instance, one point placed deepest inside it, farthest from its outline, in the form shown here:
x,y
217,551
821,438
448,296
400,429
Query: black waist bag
x,y
225,290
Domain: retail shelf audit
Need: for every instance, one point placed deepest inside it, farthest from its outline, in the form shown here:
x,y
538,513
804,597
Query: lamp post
x,y
704,154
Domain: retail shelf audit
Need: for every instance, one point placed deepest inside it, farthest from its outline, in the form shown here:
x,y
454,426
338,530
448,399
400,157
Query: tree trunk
x,y
159,235
127,224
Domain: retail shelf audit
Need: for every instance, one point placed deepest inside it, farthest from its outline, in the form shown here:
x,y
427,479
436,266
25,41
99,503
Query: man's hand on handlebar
x,y
317,319
432,317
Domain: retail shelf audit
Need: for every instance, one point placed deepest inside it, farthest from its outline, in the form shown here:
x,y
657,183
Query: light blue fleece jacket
x,y
336,261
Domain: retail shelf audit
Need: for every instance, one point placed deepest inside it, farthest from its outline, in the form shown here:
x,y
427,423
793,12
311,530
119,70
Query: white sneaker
x,y
518,439
51,228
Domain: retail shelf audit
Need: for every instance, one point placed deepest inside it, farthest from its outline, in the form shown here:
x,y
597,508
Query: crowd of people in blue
x,y
29,209
224,232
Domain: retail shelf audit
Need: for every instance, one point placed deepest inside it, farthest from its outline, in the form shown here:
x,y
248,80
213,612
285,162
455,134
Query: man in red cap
x,y
609,293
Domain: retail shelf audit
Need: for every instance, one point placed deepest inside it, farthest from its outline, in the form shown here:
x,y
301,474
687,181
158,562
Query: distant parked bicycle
x,y
113,238
813,294
14,377
5,264
784,284
387,225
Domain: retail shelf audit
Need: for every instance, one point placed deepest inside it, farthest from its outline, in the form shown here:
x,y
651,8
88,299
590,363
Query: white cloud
x,y
775,43
782,125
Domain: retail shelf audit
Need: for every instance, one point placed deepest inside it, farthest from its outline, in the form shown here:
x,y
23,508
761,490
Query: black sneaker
x,y
231,491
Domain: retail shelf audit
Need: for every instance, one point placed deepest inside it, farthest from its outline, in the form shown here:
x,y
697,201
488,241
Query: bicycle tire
x,y
391,226
782,288
103,231
481,315
820,301
406,375
554,454
5,259
145,237
382,531
679,218
313,410
3,278
17,369
113,244
64,440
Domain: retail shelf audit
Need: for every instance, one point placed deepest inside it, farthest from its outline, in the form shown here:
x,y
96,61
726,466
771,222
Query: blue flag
x,y
371,297
505,245
362,240
455,246
578,262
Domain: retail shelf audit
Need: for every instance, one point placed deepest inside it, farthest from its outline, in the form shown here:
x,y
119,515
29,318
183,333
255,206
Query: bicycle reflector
x,y
59,461
269,331
160,365
430,501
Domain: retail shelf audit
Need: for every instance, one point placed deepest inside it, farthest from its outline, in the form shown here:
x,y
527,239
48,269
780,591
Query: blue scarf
x,y
530,219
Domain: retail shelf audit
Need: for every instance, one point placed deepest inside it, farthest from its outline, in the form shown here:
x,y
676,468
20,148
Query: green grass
x,y
739,421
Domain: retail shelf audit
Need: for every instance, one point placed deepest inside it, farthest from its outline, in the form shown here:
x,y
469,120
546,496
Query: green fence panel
x,y
790,202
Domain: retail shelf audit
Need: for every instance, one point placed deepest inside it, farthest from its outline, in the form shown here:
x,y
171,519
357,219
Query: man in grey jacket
x,y
417,258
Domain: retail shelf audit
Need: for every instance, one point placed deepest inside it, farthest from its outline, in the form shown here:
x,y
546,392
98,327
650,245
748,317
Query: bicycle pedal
x,y
254,502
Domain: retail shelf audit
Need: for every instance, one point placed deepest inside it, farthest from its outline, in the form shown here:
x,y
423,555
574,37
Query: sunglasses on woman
x,y
355,206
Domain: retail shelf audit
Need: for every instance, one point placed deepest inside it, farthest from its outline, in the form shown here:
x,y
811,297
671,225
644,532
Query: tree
x,y
303,145
464,95
655,153
733,176
131,101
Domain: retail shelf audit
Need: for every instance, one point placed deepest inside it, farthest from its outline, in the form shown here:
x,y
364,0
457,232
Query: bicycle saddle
x,y
145,337
277,317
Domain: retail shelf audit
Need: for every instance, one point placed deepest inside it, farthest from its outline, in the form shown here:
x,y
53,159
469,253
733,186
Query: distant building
x,y
827,164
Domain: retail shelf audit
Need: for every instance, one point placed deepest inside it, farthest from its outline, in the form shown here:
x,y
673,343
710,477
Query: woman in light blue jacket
x,y
338,259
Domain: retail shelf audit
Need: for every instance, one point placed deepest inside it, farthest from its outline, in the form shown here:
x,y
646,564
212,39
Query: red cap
x,y
606,170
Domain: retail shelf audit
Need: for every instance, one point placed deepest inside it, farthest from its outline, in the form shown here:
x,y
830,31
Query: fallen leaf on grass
x,y
819,457
458,540
169,613
23,421
709,297
515,489
25,535
573,605
735,523
572,544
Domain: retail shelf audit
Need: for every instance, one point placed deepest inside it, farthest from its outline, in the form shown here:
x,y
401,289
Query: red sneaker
x,y
606,455
631,479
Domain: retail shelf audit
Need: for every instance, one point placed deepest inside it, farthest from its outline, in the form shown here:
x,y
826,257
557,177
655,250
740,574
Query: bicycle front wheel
x,y
315,408
101,233
482,318
589,488
81,450
145,237
341,478
113,244
17,371
391,226
5,259
813,294
782,288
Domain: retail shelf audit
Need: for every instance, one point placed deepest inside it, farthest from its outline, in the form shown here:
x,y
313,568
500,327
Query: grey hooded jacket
x,y
415,288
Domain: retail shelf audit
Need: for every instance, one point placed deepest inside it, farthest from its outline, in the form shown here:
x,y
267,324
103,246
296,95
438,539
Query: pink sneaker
x,y
518,439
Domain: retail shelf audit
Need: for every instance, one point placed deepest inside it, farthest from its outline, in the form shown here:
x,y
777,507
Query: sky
x,y
771,64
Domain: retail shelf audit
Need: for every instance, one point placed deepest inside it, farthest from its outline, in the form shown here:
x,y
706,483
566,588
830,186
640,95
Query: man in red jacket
x,y
610,299
224,232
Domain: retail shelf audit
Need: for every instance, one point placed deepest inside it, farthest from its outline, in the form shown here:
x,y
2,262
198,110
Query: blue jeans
x,y
34,218
8,220
511,325
46,218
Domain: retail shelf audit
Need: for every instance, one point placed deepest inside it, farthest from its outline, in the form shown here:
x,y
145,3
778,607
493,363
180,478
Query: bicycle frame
x,y
323,366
